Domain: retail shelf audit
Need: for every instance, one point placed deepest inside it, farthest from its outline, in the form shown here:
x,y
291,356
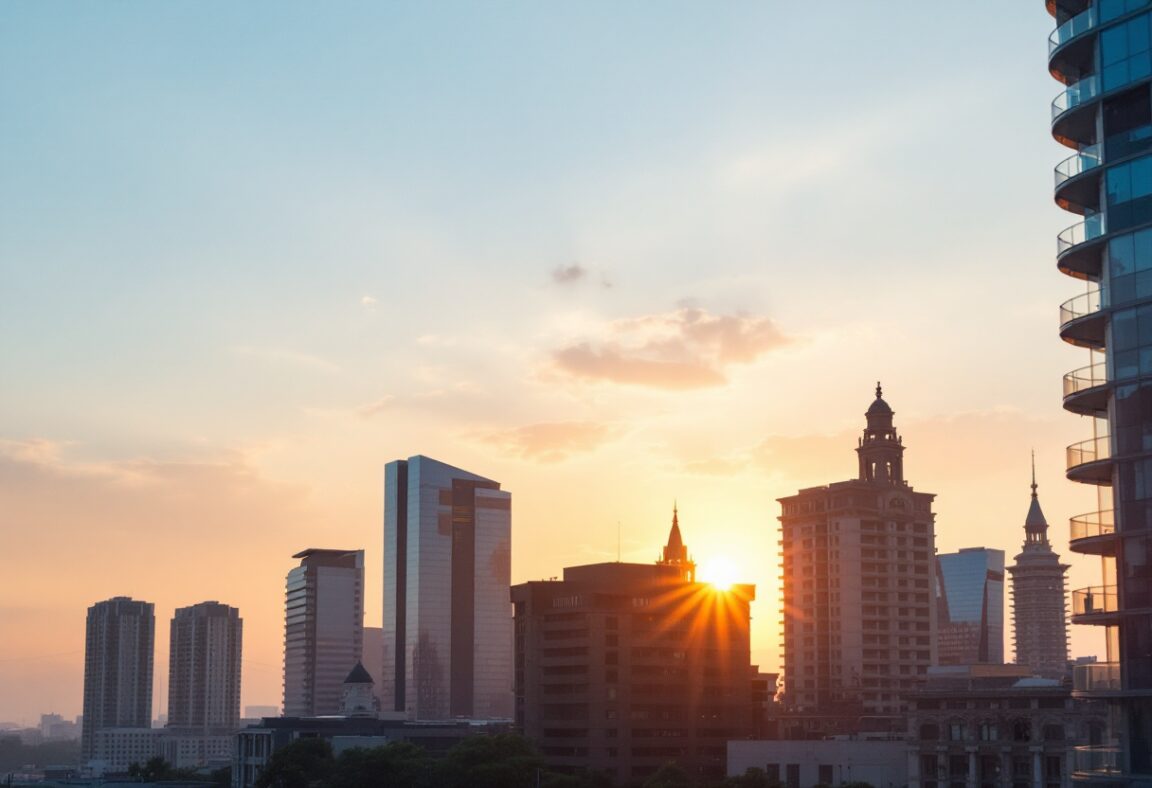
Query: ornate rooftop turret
x,y
676,552
881,449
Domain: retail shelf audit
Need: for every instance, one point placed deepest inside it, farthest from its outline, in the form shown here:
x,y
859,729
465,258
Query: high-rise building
x,y
117,668
323,629
970,595
204,668
621,668
859,577
1038,599
1100,51
447,569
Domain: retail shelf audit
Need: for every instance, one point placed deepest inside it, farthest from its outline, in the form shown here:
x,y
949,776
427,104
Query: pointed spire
x,y
1035,525
675,552
1033,474
675,540
879,391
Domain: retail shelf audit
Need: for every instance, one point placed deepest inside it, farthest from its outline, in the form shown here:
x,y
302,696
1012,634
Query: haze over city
x,y
613,256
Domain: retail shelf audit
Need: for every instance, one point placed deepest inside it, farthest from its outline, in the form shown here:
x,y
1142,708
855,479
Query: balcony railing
x,y
1081,306
1087,159
1091,450
1085,526
1094,599
1097,759
1088,377
1075,95
1091,228
1081,23
1096,677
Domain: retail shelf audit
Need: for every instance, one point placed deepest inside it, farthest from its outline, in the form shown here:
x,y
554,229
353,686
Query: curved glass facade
x,y
1108,74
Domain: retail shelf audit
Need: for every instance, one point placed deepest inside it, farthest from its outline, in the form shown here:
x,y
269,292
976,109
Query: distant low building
x,y
802,764
116,749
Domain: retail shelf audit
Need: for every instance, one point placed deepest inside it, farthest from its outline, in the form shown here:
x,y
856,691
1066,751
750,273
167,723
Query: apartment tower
x,y
204,668
1101,51
117,668
1038,599
858,583
447,570
323,629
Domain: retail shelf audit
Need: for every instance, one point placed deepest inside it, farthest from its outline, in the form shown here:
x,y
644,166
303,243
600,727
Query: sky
x,y
614,256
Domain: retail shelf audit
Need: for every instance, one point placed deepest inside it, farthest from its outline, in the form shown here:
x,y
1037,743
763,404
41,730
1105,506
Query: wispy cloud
x,y
368,301
683,349
276,355
551,441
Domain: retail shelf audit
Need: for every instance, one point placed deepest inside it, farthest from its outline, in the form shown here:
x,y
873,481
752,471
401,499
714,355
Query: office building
x,y
970,596
204,668
859,574
117,668
1038,599
621,668
323,629
1100,51
447,569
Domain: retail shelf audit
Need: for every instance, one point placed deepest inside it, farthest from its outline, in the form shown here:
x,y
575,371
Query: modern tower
x,y
447,570
859,578
970,594
621,668
323,629
1038,599
117,668
1101,51
204,668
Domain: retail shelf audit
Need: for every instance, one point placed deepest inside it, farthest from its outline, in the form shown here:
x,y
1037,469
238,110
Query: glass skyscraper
x,y
970,594
1101,51
447,613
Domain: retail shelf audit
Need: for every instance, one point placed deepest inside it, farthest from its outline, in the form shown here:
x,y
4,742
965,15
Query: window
x,y
988,731
1021,730
825,773
956,731
793,771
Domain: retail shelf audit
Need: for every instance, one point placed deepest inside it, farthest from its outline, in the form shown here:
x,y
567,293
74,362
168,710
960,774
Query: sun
x,y
719,572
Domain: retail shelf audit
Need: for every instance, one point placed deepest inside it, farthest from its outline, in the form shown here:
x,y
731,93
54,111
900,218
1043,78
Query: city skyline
x,y
665,281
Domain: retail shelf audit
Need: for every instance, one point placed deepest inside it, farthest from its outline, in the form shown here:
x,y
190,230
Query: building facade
x,y
621,668
204,668
118,652
881,763
1100,52
970,612
859,574
323,629
447,569
1039,604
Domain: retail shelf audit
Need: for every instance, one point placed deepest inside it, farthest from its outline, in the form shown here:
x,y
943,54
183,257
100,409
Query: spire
x,y
1035,526
879,391
675,552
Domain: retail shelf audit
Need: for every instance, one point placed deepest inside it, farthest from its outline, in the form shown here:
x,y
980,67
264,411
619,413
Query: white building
x,y
803,764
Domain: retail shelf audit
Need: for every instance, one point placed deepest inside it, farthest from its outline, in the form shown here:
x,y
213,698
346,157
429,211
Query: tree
x,y
305,763
752,778
399,763
669,776
502,761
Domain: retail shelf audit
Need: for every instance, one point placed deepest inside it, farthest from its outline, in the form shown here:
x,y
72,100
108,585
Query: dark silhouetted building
x,y
204,667
1100,52
970,593
859,578
323,629
622,668
1038,599
447,569
117,669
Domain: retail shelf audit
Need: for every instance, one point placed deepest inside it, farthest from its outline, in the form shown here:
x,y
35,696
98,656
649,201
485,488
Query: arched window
x,y
988,731
1021,730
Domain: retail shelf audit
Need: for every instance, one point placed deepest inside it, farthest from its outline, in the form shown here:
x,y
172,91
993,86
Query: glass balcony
x,y
1086,159
1094,600
1075,95
1102,759
1081,23
1096,677
1090,229
1081,306
1091,525
1086,460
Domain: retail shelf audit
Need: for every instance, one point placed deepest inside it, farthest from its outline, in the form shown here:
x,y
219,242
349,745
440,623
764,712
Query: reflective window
x,y
1111,9
1124,52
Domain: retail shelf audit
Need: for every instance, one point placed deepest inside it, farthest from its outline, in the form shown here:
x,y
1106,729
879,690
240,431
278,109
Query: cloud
x,y
377,407
684,349
368,301
551,441
569,274
275,355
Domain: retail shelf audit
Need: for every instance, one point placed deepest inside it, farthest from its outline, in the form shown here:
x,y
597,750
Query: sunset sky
x,y
611,255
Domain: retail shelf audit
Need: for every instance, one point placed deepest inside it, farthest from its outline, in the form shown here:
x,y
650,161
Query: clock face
x,y
897,503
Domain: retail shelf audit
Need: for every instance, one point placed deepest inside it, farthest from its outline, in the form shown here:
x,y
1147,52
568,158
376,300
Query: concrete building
x,y
803,764
1039,608
447,569
115,749
204,668
859,574
970,612
1100,52
118,652
622,668
995,726
323,629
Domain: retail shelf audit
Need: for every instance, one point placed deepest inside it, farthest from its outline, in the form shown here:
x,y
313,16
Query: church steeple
x,y
675,552
881,450
1035,526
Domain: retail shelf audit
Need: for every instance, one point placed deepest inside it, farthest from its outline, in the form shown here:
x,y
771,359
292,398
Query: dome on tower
x,y
879,406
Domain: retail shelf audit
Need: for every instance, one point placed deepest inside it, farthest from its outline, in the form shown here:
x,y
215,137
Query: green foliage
x,y
752,778
159,770
400,764
305,763
222,778
502,761
669,776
